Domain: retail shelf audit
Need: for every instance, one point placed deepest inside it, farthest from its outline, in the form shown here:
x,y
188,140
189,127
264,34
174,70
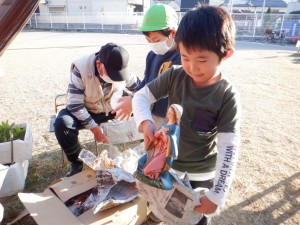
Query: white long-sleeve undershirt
x,y
227,146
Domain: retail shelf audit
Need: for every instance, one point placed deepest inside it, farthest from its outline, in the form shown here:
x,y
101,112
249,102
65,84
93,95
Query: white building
x,y
293,6
276,6
94,6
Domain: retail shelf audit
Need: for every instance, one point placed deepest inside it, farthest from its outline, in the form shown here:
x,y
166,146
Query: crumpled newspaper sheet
x,y
127,159
115,185
175,206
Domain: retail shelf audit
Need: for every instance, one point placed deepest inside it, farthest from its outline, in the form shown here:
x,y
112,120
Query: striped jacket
x,y
86,92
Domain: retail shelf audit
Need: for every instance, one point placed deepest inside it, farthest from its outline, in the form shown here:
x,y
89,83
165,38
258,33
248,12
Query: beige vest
x,y
97,98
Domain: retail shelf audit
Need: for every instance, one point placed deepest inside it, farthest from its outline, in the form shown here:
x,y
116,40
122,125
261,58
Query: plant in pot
x,y
15,151
9,132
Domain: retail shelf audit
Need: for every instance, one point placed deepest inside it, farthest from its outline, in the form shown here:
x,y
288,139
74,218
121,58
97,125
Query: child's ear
x,y
229,53
172,33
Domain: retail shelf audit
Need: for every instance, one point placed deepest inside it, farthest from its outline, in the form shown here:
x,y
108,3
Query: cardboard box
x,y
48,208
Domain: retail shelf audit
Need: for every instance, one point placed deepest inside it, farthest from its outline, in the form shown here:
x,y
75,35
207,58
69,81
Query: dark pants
x,y
66,128
204,184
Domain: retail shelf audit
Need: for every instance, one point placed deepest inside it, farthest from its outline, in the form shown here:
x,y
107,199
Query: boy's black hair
x,y
166,32
206,28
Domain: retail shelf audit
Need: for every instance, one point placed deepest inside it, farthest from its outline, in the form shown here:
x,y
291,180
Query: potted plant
x,y
15,151
15,142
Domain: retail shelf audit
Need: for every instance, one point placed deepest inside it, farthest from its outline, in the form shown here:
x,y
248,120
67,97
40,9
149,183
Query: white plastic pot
x,y
13,178
22,149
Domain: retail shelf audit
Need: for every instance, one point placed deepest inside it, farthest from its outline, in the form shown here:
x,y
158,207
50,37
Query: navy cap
x,y
115,59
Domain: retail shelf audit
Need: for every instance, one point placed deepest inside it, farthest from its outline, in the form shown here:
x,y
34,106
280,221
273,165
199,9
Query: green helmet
x,y
159,17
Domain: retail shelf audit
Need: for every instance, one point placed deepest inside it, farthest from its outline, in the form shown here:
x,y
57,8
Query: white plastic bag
x,y
120,132
1,212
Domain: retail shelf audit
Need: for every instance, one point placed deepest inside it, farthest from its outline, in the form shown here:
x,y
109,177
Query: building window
x,y
53,9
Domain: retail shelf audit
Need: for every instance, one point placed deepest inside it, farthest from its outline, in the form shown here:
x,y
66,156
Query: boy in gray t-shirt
x,y
209,127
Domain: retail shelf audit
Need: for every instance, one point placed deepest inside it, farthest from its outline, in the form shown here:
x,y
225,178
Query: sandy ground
x,y
35,68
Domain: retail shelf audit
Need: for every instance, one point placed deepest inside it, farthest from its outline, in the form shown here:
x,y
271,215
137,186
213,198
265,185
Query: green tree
x,y
267,20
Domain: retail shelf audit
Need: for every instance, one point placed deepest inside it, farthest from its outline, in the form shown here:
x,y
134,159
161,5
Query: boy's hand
x,y
99,136
124,109
147,127
163,129
206,206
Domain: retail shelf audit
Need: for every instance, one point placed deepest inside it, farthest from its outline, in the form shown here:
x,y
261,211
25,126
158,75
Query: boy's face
x,y
201,65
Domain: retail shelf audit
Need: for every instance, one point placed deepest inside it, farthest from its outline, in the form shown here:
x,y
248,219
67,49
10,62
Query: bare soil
x,y
35,68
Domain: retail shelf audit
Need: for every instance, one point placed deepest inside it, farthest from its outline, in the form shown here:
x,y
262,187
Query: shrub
x,y
9,132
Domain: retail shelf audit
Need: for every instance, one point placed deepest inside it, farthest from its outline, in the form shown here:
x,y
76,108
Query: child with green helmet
x,y
159,28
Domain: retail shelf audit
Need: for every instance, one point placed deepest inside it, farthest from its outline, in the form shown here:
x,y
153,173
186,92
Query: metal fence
x,y
253,25
108,21
249,25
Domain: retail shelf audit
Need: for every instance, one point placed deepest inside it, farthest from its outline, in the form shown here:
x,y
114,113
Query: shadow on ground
x,y
287,204
295,58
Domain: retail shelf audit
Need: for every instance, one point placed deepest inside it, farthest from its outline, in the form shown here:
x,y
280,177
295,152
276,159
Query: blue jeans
x,y
66,128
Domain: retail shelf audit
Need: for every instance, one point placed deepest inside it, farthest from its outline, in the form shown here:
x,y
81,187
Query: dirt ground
x,y
35,68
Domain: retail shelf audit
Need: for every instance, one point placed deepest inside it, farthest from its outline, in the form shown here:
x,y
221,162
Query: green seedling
x,y
9,132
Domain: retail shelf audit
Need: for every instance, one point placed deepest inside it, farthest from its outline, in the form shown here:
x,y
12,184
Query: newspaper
x,y
115,185
175,206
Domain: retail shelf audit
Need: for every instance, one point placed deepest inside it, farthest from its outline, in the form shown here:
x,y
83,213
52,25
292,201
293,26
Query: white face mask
x,y
104,76
161,48
106,79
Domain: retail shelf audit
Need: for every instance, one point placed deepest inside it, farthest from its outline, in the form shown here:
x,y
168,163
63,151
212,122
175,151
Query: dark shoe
x,y
75,169
154,218
204,221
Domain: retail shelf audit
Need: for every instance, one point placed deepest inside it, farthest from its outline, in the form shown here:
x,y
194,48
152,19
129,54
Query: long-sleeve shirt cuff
x,y
141,105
